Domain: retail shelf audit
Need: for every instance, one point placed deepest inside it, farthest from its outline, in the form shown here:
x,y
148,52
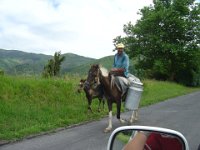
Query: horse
x,y
112,93
92,91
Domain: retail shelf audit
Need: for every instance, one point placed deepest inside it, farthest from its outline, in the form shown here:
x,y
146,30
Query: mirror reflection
x,y
146,140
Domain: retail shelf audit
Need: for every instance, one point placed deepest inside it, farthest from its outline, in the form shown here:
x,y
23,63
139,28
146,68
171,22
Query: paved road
x,y
181,113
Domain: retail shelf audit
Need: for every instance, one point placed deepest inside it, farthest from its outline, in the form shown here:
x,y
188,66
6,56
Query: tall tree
x,y
58,59
54,65
166,41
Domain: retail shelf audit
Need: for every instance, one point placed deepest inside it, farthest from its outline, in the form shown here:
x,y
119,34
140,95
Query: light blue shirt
x,y
122,61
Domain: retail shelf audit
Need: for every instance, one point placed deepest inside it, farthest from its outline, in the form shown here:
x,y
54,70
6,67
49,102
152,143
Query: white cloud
x,y
84,27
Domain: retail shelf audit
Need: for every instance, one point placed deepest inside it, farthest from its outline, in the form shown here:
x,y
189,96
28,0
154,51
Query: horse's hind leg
x,y
134,116
118,112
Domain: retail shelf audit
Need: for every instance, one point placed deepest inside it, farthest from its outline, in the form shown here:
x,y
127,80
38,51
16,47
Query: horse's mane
x,y
104,71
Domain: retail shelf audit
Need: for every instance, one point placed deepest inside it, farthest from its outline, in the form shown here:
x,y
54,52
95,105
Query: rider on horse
x,y
120,69
121,62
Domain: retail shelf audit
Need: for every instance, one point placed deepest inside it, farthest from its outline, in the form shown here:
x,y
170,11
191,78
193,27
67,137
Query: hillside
x,y
106,62
16,62
73,60
83,69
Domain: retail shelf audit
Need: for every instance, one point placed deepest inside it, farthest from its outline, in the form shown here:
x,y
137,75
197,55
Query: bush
x,y
1,72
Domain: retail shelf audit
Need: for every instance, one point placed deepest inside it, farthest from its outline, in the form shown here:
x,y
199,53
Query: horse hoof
x,y
131,121
106,130
122,121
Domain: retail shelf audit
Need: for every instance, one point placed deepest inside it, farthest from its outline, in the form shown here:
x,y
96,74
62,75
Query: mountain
x,y
106,62
72,61
16,62
83,69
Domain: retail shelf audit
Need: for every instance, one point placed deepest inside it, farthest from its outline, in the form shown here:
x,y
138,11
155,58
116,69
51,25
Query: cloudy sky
x,y
83,27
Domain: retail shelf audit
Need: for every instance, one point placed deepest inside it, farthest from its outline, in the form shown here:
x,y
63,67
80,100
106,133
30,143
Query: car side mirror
x,y
144,137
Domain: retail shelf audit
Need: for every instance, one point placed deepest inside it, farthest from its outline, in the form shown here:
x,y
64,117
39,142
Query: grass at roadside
x,y
32,105
156,91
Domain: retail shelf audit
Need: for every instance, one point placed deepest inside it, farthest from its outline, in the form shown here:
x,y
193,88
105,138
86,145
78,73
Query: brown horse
x,y
92,91
111,91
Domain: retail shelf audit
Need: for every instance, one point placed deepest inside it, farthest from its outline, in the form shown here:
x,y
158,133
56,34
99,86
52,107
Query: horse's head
x,y
93,75
81,85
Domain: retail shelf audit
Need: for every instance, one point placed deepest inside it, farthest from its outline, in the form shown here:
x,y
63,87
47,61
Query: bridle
x,y
94,82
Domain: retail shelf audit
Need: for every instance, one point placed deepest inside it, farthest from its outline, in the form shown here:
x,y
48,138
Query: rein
x,y
92,85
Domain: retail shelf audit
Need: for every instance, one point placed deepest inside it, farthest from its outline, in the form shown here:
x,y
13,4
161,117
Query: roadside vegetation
x,y
30,105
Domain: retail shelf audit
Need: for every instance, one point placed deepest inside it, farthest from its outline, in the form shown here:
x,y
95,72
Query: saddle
x,y
116,73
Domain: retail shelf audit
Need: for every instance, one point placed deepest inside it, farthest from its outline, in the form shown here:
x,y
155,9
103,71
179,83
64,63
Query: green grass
x,y
31,105
123,138
157,91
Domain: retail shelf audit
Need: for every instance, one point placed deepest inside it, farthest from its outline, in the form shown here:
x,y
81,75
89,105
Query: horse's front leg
x,y
109,128
89,103
99,109
103,101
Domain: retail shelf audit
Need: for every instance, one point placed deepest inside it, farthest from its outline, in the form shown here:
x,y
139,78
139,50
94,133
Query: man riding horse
x,y
119,73
121,68
121,62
